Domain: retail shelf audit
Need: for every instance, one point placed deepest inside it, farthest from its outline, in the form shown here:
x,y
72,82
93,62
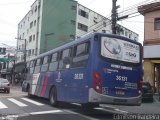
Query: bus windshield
x,y
121,50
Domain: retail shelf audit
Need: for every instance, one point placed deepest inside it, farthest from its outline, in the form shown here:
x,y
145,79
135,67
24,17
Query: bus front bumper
x,y
95,97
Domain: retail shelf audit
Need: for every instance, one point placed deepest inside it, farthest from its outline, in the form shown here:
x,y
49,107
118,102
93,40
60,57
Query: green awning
x,y
4,60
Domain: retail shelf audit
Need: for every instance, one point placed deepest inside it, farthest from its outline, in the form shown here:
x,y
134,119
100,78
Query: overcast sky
x,y
12,11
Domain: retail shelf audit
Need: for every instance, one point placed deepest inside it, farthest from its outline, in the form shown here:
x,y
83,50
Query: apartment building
x,y
151,13
51,23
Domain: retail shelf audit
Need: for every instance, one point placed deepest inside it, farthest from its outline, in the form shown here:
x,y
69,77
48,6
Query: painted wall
x,y
149,71
56,26
152,36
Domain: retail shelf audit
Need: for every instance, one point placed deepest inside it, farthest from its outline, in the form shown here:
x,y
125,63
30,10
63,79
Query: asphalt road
x,y
16,105
37,108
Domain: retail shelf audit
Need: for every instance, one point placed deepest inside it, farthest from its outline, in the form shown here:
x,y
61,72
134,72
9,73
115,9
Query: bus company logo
x,y
112,46
131,46
59,77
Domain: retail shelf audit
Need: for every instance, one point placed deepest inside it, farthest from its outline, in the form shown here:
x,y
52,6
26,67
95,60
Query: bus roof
x,y
80,40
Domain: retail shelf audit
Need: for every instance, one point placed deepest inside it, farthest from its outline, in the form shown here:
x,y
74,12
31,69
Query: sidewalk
x,y
156,98
15,91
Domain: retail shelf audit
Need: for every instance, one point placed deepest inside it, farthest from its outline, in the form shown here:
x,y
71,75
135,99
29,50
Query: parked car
x,y
147,92
4,85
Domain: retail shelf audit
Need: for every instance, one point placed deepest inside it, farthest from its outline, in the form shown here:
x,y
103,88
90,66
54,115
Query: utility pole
x,y
114,16
25,54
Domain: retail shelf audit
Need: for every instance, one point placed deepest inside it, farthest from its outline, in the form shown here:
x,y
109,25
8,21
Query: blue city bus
x,y
99,68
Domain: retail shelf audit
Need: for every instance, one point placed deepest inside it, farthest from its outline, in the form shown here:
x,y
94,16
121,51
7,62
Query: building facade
x,y
51,23
151,13
6,60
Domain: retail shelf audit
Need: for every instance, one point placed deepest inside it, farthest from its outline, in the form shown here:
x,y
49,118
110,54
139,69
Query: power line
x,y
91,31
134,8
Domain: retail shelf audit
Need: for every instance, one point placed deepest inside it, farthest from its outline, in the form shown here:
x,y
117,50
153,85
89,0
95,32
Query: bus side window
x,y
80,55
37,66
53,62
44,67
31,67
63,55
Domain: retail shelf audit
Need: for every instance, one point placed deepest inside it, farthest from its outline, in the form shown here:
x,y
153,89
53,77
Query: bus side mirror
x,y
67,60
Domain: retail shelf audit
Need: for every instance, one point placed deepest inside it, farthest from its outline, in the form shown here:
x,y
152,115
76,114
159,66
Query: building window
x,y
103,31
72,37
31,24
82,27
29,52
35,23
32,51
95,21
36,50
33,37
126,33
23,35
73,22
27,31
157,23
30,38
83,13
37,35
74,7
35,9
32,12
38,20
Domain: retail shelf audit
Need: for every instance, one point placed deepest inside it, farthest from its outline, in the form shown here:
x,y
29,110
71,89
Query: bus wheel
x,y
53,97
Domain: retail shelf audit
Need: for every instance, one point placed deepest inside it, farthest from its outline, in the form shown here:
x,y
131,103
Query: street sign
x,y
2,51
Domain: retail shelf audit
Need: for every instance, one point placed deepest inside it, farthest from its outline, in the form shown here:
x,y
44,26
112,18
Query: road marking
x,y
99,108
32,101
2,106
76,104
14,117
107,106
122,111
9,117
17,102
45,112
87,117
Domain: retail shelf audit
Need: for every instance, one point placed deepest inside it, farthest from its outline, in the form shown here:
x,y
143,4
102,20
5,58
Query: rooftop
x,y
143,9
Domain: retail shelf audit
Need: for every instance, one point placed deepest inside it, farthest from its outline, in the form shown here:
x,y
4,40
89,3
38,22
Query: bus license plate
x,y
120,92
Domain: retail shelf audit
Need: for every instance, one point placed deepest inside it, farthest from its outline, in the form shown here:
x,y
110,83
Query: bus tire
x,y
53,97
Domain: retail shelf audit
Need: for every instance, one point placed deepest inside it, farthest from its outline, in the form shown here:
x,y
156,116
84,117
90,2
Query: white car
x,y
4,85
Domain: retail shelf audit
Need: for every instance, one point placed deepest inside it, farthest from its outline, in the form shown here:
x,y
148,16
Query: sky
x,y
12,12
